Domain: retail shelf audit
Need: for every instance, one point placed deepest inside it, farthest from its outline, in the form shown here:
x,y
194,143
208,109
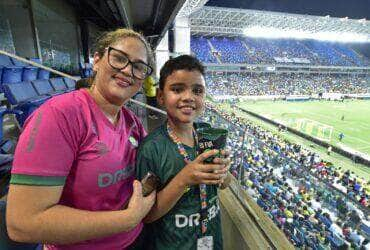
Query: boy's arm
x,y
169,196
166,199
192,174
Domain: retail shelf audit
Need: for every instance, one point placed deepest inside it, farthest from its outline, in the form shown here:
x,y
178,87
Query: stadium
x,y
290,82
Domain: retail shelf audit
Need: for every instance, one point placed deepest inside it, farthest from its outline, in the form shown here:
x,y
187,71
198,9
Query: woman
x,y
72,183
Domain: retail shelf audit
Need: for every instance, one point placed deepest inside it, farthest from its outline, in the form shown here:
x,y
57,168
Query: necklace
x,y
202,187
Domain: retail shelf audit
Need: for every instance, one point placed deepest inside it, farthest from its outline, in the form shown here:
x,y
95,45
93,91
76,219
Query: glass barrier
x,y
298,191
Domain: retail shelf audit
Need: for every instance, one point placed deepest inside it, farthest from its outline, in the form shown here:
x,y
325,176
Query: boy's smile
x,y
183,95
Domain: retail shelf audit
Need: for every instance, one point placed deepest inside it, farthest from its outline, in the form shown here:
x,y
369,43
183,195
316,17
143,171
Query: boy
x,y
179,220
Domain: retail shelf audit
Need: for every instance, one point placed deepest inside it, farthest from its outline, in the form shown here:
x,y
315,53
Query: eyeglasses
x,y
118,60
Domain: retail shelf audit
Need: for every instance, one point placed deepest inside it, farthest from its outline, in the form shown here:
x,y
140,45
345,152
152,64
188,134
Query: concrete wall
x,y
17,13
245,225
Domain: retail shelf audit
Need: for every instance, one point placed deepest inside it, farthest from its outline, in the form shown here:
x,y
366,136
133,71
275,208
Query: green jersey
x,y
180,228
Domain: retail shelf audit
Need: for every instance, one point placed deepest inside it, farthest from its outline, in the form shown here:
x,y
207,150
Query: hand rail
x,y
38,65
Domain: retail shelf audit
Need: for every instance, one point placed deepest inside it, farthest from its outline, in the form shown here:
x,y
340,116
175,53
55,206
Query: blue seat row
x,y
27,96
13,71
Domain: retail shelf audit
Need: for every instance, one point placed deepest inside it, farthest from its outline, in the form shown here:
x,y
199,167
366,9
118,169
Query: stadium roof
x,y
190,6
357,9
233,22
151,17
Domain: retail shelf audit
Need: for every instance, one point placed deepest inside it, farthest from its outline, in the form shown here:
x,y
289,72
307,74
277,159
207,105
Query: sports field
x,y
322,119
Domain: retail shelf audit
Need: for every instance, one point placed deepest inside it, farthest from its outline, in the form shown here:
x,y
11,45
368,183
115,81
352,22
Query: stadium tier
x,y
275,51
284,84
301,193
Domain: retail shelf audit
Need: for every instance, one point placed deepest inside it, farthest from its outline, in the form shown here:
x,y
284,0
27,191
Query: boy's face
x,y
183,95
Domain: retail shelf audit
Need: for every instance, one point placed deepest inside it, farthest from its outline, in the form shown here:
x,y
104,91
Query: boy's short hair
x,y
184,62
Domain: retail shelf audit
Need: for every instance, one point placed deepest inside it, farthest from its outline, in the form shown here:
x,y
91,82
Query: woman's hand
x,y
138,204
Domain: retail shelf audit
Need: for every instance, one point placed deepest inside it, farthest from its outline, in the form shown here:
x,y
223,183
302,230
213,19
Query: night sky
x,y
355,9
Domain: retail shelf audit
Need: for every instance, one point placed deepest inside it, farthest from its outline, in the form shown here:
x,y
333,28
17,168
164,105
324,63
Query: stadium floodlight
x,y
275,33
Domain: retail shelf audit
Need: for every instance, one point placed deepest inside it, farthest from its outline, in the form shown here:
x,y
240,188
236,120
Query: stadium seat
x,y
24,98
70,83
5,60
4,111
43,87
10,72
42,73
58,84
29,72
5,242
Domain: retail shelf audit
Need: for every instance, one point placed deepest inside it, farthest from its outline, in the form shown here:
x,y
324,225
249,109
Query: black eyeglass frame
x,y
129,62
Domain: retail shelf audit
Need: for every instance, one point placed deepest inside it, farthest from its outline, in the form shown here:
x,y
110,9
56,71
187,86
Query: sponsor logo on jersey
x,y
192,220
101,147
108,179
133,141
34,132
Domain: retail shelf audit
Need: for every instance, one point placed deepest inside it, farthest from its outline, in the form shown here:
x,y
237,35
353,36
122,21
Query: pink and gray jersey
x,y
69,142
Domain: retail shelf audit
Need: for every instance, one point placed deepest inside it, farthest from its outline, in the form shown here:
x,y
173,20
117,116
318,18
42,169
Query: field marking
x,y
359,124
336,130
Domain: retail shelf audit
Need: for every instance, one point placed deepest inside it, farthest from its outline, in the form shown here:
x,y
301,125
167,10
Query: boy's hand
x,y
138,204
198,172
226,161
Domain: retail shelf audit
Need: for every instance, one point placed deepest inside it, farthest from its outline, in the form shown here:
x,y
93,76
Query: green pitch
x,y
322,119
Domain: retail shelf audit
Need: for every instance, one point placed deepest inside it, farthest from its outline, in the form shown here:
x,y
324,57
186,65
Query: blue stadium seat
x,y
43,87
29,72
24,98
42,73
5,60
10,72
70,83
5,242
58,84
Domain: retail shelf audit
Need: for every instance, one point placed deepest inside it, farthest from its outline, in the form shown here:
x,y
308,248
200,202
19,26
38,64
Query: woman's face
x,y
118,86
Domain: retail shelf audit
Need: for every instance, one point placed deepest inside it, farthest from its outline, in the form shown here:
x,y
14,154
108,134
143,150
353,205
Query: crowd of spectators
x,y
201,48
314,203
285,84
230,50
257,51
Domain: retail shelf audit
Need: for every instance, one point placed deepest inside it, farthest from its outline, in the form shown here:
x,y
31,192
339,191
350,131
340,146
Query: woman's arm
x,y
33,215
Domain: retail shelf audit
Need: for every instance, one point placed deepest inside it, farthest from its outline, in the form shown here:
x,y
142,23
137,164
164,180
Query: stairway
x,y
212,50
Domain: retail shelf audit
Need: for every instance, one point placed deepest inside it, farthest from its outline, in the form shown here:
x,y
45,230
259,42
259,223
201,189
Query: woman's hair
x,y
111,37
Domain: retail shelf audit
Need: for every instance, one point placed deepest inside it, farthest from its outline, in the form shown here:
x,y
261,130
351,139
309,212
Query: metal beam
x,y
124,9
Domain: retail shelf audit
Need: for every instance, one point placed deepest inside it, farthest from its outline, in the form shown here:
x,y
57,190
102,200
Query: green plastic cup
x,y
201,125
211,138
